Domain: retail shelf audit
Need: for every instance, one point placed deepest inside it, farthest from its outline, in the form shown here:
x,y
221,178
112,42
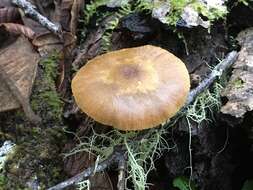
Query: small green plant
x,y
91,9
238,83
245,2
182,183
173,16
111,25
177,7
248,185
3,181
212,13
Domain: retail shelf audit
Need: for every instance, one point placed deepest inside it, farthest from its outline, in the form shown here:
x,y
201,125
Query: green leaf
x,y
248,185
182,183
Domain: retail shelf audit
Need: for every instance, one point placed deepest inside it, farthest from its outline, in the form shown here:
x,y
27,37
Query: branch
x,y
217,72
30,10
115,157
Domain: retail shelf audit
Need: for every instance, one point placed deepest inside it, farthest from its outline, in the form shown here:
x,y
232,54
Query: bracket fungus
x,y
132,89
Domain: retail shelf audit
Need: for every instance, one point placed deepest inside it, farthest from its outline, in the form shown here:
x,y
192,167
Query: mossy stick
x,y
23,101
30,10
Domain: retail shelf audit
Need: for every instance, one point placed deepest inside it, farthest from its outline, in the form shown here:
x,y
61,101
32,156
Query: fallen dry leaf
x,y
77,163
239,90
9,14
5,3
18,29
48,43
19,61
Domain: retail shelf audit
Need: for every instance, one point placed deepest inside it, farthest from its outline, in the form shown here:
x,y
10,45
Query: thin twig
x,y
217,72
30,10
115,157
23,101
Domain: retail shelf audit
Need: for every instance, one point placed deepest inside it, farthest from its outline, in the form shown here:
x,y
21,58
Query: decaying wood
x,y
239,89
30,11
118,156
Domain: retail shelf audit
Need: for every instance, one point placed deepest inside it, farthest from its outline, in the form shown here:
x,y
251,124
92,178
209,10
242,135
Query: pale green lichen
x,y
143,152
205,103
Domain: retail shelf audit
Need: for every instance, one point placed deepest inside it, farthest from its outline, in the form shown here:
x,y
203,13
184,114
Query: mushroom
x,y
132,89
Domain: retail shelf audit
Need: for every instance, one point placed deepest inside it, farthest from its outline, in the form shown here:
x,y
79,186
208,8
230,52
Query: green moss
x,y
3,181
177,7
37,157
45,99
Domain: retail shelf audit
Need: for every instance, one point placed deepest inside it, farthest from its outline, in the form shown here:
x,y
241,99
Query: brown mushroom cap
x,y
132,89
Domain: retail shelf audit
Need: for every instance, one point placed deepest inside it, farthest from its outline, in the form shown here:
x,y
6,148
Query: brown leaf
x,y
48,43
64,16
77,163
18,29
9,14
19,60
5,3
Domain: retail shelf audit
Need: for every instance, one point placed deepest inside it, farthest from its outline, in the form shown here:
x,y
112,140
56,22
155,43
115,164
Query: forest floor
x,y
41,127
